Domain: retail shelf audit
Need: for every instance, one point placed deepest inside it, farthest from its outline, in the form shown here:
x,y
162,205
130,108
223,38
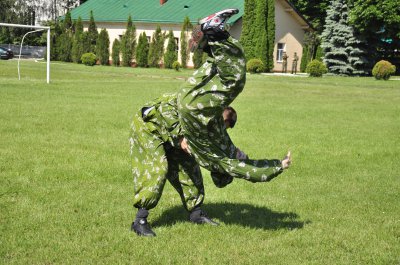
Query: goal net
x,y
34,29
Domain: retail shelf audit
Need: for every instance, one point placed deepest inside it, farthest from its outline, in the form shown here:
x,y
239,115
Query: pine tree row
x,y
70,42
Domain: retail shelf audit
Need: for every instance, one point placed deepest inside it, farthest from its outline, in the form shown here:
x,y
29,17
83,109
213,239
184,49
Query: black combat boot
x,y
140,226
198,216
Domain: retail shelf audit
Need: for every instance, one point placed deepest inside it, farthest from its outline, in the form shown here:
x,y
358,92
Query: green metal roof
x,y
173,11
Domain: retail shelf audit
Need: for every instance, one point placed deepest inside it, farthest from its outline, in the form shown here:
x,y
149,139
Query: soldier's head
x,y
230,117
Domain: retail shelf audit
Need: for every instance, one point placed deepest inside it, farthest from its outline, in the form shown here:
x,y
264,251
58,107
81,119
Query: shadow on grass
x,y
237,214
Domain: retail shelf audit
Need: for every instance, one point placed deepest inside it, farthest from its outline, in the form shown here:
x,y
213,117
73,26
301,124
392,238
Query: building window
x,y
148,39
281,49
120,37
177,44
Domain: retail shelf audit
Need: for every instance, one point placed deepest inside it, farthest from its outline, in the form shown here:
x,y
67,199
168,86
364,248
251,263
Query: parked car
x,y
6,53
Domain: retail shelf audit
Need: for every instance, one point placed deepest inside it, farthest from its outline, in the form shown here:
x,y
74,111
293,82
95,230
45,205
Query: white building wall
x,y
290,32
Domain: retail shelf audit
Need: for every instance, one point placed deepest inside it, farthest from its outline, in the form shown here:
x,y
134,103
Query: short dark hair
x,y
231,116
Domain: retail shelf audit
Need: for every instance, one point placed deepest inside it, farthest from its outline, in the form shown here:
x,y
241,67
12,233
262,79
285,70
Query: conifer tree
x,y
102,47
186,27
86,42
197,58
170,55
270,29
156,50
64,47
128,43
67,22
115,52
142,51
340,46
258,31
78,42
92,33
64,41
247,38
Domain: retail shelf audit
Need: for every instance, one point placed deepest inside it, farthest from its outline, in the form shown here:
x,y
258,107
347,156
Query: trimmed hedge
x,y
89,59
316,68
255,66
176,65
383,70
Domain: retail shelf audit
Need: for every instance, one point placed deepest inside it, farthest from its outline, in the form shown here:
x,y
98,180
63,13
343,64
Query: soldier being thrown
x,y
180,132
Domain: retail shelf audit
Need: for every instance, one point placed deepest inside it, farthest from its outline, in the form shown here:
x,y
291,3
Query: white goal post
x,y
38,28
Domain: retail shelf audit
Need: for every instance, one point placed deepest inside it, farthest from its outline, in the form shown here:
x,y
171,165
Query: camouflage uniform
x,y
156,157
200,105
195,113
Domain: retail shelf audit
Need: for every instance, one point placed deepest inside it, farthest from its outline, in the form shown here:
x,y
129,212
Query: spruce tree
x,y
156,50
142,51
78,42
92,33
128,43
102,47
186,27
340,46
170,55
115,52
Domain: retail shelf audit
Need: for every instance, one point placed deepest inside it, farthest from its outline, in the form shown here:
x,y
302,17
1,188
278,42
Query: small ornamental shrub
x,y
176,65
316,68
89,59
383,70
255,66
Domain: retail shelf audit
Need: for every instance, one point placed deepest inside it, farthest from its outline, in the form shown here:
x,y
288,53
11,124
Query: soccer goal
x,y
36,28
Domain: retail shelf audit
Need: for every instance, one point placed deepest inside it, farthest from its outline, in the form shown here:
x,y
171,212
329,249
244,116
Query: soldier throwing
x,y
194,121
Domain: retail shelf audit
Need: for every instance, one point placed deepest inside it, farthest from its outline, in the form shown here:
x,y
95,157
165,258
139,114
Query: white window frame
x,y
279,52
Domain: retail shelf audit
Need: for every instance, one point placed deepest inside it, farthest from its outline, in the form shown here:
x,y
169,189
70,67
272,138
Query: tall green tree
x,y
67,22
314,11
103,47
171,55
186,28
92,34
270,38
197,58
258,34
115,52
142,51
342,55
310,45
377,22
248,36
128,43
78,42
156,50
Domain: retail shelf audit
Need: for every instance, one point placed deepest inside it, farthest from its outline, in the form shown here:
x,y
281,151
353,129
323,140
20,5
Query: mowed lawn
x,y
66,187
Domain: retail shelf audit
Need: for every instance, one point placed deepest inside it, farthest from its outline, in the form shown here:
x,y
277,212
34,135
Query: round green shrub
x,y
383,70
255,66
316,68
89,59
176,65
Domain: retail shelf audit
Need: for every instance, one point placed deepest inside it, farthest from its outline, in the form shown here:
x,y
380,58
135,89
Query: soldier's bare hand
x,y
184,145
287,160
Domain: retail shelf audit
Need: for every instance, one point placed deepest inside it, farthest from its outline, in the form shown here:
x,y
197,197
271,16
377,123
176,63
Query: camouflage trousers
x,y
154,161
200,104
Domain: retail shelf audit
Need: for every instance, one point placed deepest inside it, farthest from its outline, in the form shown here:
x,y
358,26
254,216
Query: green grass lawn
x,y
66,188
